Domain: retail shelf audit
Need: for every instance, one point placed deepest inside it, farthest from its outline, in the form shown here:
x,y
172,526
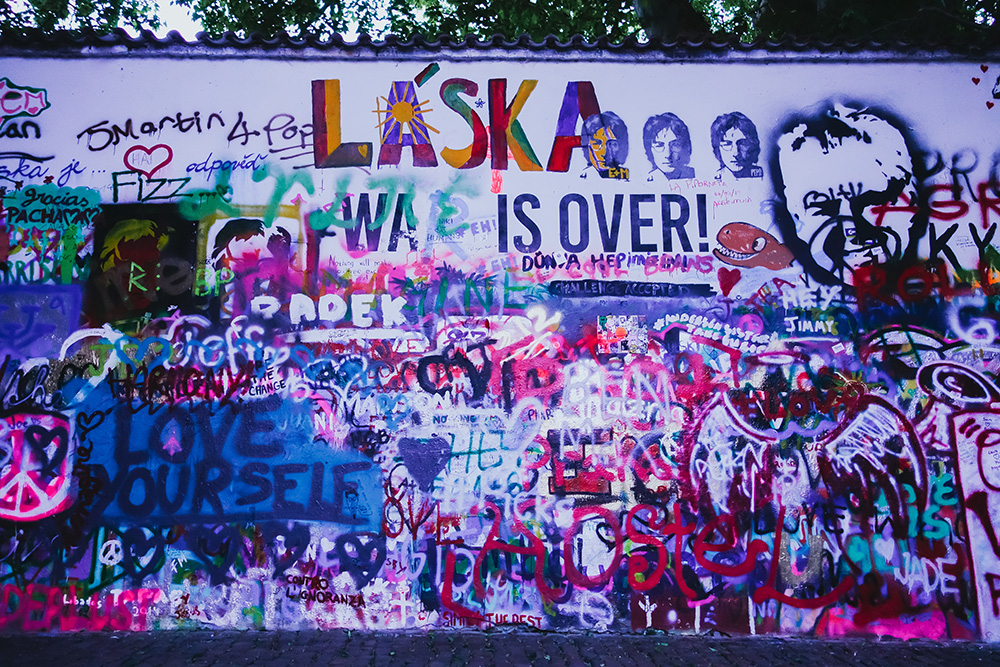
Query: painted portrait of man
x,y
256,259
668,148
832,171
143,265
605,141
736,146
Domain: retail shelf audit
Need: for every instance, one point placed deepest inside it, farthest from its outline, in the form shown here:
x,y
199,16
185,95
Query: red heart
x,y
989,105
148,161
728,279
975,80
984,68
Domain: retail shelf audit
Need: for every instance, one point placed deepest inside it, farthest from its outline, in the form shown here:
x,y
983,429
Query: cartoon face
x,y
603,143
741,244
734,149
668,151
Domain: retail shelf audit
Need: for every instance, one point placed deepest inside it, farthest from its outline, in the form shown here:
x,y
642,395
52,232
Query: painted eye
x,y
759,243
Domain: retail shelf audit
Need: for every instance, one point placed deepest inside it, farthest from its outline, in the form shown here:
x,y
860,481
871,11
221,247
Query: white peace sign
x,y
111,552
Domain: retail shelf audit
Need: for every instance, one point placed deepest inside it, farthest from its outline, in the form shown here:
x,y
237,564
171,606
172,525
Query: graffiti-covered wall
x,y
566,339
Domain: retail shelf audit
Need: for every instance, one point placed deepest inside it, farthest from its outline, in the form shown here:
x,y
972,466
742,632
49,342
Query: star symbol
x,y
480,104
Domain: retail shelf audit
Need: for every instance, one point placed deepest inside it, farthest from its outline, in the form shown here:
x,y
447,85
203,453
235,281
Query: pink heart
x,y
728,279
148,161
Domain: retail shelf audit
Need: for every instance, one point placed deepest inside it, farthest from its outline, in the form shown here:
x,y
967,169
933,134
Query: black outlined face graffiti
x,y
736,146
834,169
668,147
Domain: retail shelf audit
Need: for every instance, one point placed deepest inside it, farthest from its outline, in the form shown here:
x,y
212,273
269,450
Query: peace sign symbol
x,y
111,552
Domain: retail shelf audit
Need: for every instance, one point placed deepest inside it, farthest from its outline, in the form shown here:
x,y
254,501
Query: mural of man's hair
x,y
124,231
237,228
611,121
666,121
735,121
246,228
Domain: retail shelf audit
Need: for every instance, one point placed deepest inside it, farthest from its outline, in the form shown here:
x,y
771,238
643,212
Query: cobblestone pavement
x,y
437,649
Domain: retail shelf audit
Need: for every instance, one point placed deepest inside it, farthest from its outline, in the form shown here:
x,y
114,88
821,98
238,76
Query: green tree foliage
x,y
614,19
902,20
906,19
297,17
99,15
458,18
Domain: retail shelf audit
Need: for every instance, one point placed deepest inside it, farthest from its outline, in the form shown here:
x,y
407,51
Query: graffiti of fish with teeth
x,y
743,244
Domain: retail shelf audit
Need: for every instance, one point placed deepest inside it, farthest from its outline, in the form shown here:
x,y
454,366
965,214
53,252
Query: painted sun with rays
x,y
404,125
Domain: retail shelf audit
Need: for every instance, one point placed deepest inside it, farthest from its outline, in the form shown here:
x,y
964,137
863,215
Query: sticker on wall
x,y
623,334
